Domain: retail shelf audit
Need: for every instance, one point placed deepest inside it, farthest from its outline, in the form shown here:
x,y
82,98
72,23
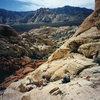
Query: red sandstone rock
x,y
15,69
27,70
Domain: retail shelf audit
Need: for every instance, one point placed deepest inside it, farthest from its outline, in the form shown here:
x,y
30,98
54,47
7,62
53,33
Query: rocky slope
x,y
14,52
11,44
48,39
44,15
78,59
12,69
37,44
83,47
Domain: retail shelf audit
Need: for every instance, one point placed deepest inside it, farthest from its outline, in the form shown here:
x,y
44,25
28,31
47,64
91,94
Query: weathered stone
x,y
54,89
25,97
70,58
89,48
22,88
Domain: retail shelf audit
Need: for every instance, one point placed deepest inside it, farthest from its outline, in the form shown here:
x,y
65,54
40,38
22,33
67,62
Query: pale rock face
x,y
89,36
62,59
85,42
92,72
76,89
71,64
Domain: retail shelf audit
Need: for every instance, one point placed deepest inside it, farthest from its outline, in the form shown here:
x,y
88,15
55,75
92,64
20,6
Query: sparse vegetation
x,y
97,60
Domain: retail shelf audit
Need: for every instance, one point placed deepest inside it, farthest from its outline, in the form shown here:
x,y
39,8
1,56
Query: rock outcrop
x,y
85,42
92,20
56,91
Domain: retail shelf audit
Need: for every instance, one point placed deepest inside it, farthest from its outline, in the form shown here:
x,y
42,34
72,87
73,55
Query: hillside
x,y
29,49
73,15
11,17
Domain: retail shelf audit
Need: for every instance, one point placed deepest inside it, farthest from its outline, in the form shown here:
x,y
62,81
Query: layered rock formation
x,y
13,69
14,63
78,58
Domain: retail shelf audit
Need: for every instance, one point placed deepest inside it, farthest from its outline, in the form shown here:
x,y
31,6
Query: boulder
x,y
7,31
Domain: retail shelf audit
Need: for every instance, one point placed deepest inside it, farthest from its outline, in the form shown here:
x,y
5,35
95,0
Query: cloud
x,y
35,4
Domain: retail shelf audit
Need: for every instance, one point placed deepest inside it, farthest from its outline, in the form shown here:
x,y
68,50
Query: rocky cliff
x,y
77,53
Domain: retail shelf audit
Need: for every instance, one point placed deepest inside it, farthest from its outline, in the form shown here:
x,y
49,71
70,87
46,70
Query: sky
x,y
29,5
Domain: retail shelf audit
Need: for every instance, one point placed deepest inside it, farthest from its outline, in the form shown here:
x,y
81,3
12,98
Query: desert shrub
x,y
74,50
97,60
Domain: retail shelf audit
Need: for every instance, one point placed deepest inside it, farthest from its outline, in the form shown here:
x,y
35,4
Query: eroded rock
x,y
76,54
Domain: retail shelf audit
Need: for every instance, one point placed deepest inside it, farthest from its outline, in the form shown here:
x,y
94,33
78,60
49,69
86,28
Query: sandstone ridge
x,y
84,45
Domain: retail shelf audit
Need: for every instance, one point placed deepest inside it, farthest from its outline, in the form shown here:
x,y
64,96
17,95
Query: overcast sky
x,y
26,5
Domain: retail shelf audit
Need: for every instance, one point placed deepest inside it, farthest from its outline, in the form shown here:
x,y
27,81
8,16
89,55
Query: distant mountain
x,y
11,17
72,10
65,14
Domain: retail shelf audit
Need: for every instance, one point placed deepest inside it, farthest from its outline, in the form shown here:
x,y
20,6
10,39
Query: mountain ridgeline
x,y
66,14
12,17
